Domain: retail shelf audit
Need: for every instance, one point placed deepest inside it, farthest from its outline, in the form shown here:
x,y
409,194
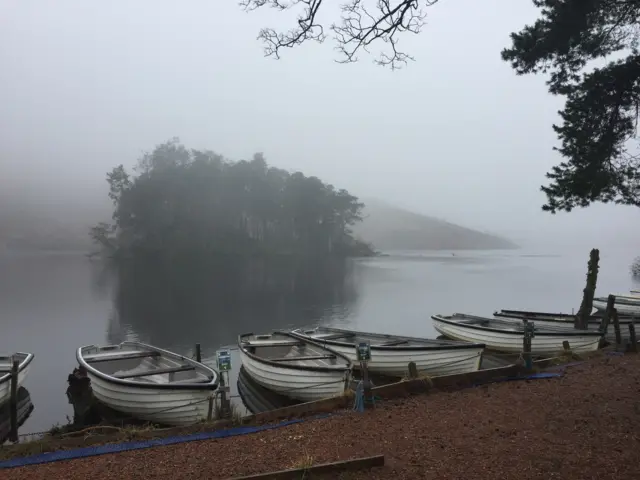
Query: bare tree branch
x,y
362,23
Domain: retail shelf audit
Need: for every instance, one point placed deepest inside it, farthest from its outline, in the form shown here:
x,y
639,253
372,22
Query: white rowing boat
x,y
625,304
6,362
149,383
391,354
565,320
505,336
298,368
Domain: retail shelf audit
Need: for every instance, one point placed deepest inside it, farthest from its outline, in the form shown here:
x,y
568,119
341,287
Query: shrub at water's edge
x,y
185,200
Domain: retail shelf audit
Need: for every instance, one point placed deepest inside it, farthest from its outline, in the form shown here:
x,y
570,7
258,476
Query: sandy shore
x,y
581,426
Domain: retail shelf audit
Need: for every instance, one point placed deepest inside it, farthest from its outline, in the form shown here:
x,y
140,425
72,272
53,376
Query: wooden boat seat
x,y
120,356
273,343
332,336
306,357
157,371
393,343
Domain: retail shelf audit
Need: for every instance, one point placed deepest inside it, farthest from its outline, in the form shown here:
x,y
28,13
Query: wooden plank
x,y
306,357
333,467
391,344
124,356
157,371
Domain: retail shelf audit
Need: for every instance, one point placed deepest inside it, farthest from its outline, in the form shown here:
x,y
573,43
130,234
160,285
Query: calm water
x,y
52,304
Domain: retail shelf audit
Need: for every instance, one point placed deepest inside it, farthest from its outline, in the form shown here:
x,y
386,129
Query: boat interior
x,y
288,350
6,362
496,323
145,365
374,339
463,319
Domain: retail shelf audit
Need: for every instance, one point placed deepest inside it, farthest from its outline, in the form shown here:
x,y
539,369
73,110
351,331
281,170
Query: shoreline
x,y
598,392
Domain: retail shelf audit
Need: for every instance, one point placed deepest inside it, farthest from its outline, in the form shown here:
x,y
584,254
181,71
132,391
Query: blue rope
x,y
128,446
358,405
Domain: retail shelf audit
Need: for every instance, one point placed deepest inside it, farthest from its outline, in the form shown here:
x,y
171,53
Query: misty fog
x,y
85,86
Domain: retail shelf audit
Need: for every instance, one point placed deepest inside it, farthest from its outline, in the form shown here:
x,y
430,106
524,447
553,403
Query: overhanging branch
x,y
361,24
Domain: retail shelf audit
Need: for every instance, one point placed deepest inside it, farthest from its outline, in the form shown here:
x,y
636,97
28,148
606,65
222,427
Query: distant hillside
x,y
393,228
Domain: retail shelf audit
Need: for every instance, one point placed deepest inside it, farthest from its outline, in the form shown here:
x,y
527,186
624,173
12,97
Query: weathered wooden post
x,y
526,344
13,401
363,354
616,325
582,319
633,342
413,370
223,359
606,316
198,353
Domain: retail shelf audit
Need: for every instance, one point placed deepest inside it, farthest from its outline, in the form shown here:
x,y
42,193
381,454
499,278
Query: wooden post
x,y
13,402
526,345
582,319
606,316
212,399
616,325
224,407
413,370
198,353
366,384
633,343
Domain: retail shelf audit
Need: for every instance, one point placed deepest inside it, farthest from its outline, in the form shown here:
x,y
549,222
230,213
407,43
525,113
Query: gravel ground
x,y
581,426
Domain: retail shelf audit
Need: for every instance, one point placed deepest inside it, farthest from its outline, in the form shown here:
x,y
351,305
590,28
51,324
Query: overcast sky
x,y
88,85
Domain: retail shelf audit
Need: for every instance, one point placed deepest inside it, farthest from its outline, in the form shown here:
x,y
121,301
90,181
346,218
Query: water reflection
x,y
175,304
178,303
25,407
258,399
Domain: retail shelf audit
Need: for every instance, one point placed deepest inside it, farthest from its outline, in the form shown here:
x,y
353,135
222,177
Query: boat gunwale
x,y
630,301
348,367
558,317
21,367
538,333
210,385
455,345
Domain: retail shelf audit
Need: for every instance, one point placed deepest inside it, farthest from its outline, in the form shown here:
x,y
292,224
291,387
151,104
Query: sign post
x,y
363,355
223,361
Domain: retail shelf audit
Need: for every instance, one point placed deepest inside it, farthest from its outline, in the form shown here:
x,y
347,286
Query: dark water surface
x,y
52,304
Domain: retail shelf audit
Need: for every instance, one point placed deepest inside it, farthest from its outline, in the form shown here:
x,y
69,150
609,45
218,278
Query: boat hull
x,y
5,386
631,308
559,324
431,362
181,407
302,385
511,342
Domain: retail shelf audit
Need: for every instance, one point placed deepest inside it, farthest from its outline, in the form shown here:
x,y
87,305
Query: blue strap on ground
x,y
562,367
531,376
125,447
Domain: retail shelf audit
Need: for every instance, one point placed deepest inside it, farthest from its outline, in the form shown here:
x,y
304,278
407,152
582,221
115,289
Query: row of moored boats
x,y
164,387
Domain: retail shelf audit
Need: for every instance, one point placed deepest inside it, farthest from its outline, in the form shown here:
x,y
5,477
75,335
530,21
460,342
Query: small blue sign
x,y
363,352
223,358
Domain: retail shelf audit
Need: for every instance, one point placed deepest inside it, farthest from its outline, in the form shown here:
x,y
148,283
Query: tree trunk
x,y
582,321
